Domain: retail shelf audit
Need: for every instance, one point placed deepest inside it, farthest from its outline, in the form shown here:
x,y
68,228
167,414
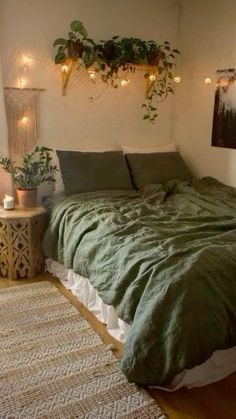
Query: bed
x,y
163,259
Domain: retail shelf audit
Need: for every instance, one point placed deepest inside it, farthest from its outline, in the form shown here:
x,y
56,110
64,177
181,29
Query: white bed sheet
x,y
218,366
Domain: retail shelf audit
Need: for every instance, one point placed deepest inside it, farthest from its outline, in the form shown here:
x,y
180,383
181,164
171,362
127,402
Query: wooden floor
x,y
215,401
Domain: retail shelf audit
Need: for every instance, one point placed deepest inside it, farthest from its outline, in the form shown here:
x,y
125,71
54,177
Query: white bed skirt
x,y
218,366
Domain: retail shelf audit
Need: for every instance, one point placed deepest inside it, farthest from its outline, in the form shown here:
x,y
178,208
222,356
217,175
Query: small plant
x,y
77,46
36,168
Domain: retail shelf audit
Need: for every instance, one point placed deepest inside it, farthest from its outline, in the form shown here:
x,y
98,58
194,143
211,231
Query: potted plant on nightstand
x,y
36,168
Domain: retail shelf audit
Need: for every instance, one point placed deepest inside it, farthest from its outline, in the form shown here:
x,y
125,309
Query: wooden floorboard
x,y
215,401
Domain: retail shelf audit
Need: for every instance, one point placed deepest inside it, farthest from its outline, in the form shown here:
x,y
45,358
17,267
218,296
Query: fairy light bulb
x,y
25,62
177,79
92,75
207,81
152,77
124,82
64,68
25,120
21,83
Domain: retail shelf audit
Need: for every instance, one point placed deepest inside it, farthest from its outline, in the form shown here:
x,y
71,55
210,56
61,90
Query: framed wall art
x,y
224,118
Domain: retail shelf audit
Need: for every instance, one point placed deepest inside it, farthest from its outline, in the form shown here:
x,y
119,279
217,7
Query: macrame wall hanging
x,y
22,110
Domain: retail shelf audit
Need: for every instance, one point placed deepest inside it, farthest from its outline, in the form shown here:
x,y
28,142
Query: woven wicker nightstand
x,y
21,233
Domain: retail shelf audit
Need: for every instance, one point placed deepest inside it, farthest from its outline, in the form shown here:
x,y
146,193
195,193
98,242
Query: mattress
x,y
218,366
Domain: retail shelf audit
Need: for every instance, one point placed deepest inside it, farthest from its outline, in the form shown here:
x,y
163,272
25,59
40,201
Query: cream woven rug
x,y
53,364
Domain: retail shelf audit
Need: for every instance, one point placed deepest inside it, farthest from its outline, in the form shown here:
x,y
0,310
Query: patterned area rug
x,y
53,364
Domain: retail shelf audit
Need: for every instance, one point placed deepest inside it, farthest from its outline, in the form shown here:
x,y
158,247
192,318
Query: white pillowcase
x,y
166,148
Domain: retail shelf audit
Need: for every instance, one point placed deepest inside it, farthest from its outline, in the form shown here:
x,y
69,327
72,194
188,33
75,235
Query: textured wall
x,y
31,26
73,121
5,181
206,39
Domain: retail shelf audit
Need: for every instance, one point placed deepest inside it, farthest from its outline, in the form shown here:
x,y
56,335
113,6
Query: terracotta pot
x,y
154,60
27,198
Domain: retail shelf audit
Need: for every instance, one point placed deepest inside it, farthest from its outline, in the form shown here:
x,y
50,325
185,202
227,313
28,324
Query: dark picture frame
x,y
224,117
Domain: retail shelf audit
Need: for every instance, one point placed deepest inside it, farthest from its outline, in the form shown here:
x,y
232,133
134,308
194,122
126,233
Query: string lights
x,y
207,81
65,68
25,62
124,82
177,79
25,120
152,77
21,83
92,74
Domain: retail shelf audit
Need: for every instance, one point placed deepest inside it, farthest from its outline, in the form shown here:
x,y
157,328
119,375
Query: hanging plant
x,y
109,56
161,81
117,53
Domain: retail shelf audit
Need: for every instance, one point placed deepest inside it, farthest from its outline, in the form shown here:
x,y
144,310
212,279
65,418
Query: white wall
x,y
5,181
73,122
31,26
207,36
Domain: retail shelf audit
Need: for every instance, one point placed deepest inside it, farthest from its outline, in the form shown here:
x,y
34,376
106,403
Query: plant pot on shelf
x,y
154,60
27,198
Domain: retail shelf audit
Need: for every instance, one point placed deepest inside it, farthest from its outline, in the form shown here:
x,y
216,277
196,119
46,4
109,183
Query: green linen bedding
x,y
165,258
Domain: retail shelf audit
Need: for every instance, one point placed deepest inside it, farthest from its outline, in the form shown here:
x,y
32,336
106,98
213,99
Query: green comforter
x,y
165,258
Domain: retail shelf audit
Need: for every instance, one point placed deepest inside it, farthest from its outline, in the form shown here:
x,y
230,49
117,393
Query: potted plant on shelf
x,y
110,56
77,47
117,53
36,168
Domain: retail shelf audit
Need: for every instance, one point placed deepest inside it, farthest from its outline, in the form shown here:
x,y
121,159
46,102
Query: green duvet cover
x,y
165,258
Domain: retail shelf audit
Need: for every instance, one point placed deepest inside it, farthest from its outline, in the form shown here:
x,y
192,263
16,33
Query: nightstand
x,y
21,233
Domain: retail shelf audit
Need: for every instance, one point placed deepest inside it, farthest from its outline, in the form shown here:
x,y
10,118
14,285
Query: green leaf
x,y
60,56
59,41
176,51
72,35
91,41
146,116
77,26
88,57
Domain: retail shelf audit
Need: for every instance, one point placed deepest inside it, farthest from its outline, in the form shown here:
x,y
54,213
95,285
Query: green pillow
x,y
91,171
154,168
